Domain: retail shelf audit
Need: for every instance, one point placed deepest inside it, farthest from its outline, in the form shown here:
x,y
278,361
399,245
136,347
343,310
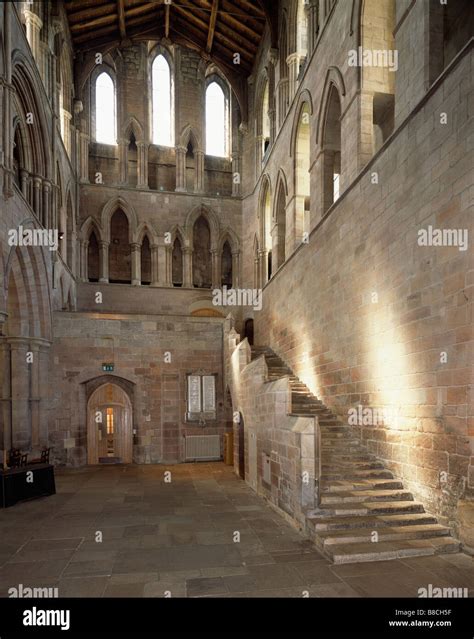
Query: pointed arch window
x,y
162,102
216,121
105,110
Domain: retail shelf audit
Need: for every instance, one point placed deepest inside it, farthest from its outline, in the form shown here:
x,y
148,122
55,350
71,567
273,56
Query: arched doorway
x,y
248,331
109,426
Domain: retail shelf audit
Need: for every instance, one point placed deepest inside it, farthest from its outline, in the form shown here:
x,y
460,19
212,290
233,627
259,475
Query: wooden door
x,y
109,425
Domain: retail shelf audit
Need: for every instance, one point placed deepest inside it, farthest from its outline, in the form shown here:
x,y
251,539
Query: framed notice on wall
x,y
201,398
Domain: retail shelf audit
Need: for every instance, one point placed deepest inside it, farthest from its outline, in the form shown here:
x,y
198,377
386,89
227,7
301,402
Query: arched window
x,y
226,265
265,119
93,260
202,254
302,175
161,87
332,150
280,218
105,111
17,161
216,121
177,264
145,261
266,240
120,264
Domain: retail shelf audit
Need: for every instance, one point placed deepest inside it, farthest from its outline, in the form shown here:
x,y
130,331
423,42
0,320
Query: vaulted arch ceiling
x,y
218,29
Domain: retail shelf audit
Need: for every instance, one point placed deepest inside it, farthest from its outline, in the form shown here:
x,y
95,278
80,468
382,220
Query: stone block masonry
x,y
136,345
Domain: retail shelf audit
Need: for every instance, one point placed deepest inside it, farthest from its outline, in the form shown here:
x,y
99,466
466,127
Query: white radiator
x,y
203,447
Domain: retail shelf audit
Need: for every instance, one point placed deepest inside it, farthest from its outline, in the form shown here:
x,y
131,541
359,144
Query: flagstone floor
x,y
122,531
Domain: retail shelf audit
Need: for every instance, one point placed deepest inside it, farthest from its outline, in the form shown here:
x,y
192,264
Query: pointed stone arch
x,y
279,237
229,235
110,208
144,228
333,78
305,99
26,92
211,218
133,126
91,224
189,134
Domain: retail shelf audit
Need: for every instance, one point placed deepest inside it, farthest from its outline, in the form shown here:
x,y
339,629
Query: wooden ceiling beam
x,y
227,46
235,47
212,25
241,25
85,14
167,21
77,5
84,37
121,19
194,20
143,8
88,25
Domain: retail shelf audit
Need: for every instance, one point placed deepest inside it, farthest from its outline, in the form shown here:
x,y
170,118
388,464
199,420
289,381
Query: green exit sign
x,y
108,368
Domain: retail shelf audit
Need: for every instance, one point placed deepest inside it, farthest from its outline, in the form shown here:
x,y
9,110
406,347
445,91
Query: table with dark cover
x,y
15,487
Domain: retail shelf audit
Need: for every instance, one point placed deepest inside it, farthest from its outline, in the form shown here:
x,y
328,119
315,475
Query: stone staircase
x,y
365,514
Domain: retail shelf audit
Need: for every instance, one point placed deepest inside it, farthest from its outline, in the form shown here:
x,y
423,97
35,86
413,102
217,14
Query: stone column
x,y
155,265
83,247
187,267
273,59
313,24
136,264
235,269
104,261
282,100
142,165
43,390
35,394
37,182
259,152
84,158
46,204
25,180
123,166
263,261
199,171
33,28
5,390
216,268
256,272
181,169
236,175
165,268
7,99
293,61
20,394
67,117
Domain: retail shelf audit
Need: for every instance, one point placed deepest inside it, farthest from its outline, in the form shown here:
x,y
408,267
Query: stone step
x,y
341,466
334,435
340,457
371,522
352,553
358,494
354,496
377,484
372,508
390,533
357,474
